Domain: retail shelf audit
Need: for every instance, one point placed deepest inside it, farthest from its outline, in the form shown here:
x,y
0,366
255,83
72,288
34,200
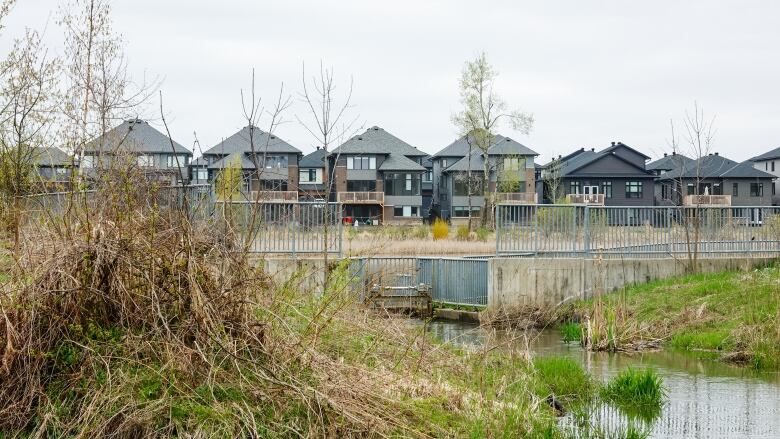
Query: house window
x,y
406,211
717,189
691,189
773,189
513,163
428,176
461,186
574,187
273,161
402,184
443,163
308,176
463,211
735,189
606,189
183,161
201,174
756,189
633,189
61,171
773,166
361,185
145,161
88,161
274,185
361,162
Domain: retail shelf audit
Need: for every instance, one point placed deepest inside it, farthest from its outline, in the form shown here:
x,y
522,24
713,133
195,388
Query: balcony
x,y
361,197
274,196
588,199
516,197
707,200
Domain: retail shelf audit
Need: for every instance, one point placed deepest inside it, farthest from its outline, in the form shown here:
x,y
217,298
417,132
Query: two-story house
x,y
313,176
378,178
137,144
614,176
714,180
510,180
770,162
276,180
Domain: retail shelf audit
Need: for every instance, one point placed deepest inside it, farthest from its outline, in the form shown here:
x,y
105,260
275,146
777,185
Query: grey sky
x,y
590,72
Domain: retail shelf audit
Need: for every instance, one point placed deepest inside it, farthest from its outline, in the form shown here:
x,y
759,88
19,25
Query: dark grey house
x,y
614,176
511,180
53,165
718,181
661,166
137,144
276,181
378,178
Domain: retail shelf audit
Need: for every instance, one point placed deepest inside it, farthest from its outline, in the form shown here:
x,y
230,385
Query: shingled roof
x,y
769,155
501,146
263,143
314,159
715,166
668,162
135,136
399,162
51,157
377,141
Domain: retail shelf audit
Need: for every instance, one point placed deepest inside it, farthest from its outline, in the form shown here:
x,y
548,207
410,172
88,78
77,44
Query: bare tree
x,y
482,114
328,122
552,177
697,139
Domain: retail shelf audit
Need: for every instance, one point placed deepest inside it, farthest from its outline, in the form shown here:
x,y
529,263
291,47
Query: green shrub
x,y
440,229
462,233
482,234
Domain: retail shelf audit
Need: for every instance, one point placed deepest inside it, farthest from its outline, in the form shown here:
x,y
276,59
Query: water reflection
x,y
707,398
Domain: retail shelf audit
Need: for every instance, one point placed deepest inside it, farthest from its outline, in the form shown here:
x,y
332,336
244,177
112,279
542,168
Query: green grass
x,y
563,378
571,332
637,392
725,312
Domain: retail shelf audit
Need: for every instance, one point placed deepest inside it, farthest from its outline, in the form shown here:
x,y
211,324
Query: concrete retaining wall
x,y
543,282
306,274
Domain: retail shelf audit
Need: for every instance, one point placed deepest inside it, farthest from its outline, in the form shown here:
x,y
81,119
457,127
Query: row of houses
x,y
379,178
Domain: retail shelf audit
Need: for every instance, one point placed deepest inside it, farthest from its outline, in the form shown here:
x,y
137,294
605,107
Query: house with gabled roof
x,y
249,148
770,162
614,176
53,165
714,180
136,143
378,178
661,166
511,180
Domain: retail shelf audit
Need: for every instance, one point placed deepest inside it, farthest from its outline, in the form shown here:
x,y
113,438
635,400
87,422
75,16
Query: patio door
x,y
591,193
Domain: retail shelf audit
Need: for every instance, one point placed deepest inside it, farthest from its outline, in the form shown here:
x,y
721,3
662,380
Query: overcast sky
x,y
590,72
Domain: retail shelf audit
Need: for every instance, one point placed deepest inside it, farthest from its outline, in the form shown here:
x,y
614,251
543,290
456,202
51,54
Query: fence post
x,y
295,229
498,227
586,230
341,229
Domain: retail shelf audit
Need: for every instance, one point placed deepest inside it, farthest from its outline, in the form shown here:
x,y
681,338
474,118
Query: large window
x,y
463,211
361,162
606,189
145,161
574,187
461,185
310,176
514,163
361,185
428,176
735,189
397,183
756,189
633,189
444,163
406,211
274,185
183,161
273,161
201,174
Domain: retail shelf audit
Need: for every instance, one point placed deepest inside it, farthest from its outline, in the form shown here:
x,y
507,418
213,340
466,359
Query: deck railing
x,y
361,197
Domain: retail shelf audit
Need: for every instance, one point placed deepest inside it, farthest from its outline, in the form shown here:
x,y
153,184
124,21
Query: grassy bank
x,y
733,313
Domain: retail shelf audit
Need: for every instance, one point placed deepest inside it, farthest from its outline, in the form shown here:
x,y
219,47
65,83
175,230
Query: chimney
x,y
716,153
664,154
674,152
582,149
559,156
593,150
318,148
613,143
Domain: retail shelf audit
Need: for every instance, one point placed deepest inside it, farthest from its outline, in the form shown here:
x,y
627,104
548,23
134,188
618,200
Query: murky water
x,y
707,398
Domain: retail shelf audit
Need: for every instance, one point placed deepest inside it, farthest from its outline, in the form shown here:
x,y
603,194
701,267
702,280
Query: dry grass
x,y
124,319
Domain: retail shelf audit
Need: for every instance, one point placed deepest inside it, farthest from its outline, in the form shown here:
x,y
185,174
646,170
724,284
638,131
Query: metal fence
x,y
460,281
568,231
301,227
